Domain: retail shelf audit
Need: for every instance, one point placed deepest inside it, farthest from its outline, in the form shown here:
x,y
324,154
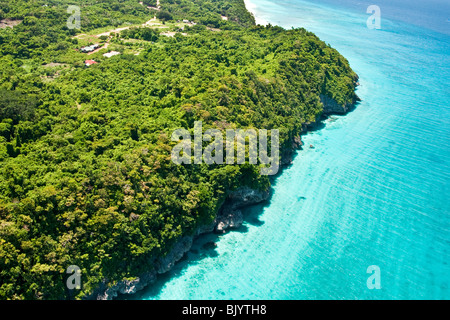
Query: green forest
x,y
86,176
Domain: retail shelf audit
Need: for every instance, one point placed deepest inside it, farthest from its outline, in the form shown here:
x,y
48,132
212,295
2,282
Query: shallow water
x,y
374,191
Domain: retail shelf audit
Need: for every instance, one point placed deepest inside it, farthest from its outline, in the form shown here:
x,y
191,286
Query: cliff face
x,y
287,155
229,216
330,106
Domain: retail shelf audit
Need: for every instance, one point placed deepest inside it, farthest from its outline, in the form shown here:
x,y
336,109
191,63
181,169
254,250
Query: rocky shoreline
x,y
229,216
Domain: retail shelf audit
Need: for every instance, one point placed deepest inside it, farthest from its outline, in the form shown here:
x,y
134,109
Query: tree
x,y
164,15
17,105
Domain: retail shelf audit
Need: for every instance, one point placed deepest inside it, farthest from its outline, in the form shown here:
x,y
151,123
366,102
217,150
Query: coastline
x,y
251,8
229,216
95,206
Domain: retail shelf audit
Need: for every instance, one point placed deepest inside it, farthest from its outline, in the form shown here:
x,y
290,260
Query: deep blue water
x,y
433,14
374,191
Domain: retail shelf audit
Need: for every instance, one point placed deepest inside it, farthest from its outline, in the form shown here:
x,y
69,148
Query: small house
x,y
90,48
111,54
88,63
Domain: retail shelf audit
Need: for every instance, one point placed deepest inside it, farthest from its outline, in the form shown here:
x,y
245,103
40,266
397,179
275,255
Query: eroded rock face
x,y
206,229
166,263
162,265
128,286
229,217
331,106
246,196
287,155
233,219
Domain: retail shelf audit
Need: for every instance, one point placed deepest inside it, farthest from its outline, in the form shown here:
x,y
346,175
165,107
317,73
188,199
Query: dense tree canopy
x,y
86,177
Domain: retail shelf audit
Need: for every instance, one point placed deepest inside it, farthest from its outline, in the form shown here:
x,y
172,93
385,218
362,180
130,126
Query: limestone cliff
x,y
229,216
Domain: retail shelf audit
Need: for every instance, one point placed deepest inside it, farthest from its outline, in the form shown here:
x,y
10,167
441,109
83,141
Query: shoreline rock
x,y
330,106
229,216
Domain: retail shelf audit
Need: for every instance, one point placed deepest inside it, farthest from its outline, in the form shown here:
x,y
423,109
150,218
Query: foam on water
x,y
374,191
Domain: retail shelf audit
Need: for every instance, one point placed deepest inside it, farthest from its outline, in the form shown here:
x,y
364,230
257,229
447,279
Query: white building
x,y
111,54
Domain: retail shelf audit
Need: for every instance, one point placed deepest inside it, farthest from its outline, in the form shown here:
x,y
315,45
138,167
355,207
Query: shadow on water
x,y
203,247
331,117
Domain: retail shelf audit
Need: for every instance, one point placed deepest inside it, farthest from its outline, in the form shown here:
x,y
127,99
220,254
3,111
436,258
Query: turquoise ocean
x,y
374,191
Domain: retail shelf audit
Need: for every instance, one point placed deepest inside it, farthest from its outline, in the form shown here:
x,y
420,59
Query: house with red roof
x,y
89,62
